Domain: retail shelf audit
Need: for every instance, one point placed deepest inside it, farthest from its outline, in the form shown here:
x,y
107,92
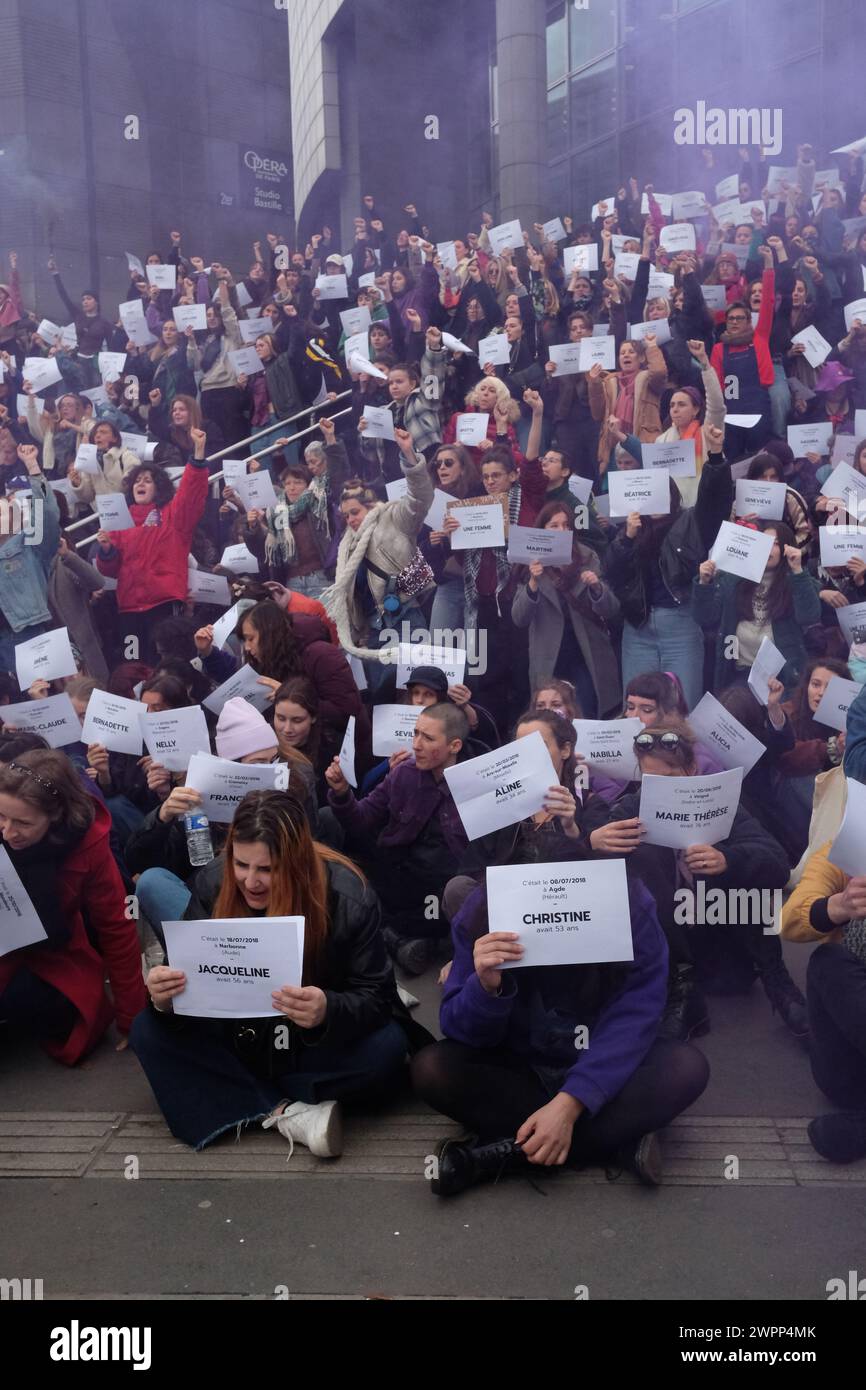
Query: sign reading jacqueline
x,y
682,811
233,965
564,914
501,787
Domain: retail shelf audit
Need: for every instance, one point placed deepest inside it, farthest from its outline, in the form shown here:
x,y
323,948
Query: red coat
x,y
449,436
326,666
151,565
89,881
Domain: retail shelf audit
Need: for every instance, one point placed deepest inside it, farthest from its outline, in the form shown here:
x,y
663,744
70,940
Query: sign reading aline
x,y
264,180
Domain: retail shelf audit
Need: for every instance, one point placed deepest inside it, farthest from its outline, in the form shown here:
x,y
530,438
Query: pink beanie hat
x,y
242,730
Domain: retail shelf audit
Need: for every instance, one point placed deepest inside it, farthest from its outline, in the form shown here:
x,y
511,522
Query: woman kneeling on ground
x,y
346,1037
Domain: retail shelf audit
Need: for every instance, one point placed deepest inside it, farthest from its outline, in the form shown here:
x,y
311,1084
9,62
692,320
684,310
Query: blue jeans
x,y
670,640
162,897
448,605
203,1087
780,401
313,585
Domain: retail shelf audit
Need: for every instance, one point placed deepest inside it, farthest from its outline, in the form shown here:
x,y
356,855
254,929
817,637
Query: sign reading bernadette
x,y
564,914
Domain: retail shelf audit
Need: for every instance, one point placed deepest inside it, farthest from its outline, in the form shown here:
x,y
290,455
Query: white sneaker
x,y
318,1128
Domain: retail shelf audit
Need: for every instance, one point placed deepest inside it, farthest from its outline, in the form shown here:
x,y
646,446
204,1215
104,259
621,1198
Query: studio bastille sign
x,y
740,126
264,180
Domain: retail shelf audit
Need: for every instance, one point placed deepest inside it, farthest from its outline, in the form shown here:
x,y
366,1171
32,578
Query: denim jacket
x,y
25,559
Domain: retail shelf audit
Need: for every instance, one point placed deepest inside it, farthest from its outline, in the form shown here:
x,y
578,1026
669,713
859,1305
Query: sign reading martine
x,y
264,180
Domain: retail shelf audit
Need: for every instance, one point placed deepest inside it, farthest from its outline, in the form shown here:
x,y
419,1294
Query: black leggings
x,y
492,1092
37,1008
836,996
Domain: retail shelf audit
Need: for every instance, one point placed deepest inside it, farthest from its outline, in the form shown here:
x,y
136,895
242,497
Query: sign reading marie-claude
x,y
264,179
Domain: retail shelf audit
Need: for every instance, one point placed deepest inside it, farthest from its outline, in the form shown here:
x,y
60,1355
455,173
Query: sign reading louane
x,y
264,179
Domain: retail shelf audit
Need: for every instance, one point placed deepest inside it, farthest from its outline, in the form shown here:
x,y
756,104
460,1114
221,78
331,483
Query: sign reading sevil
x,y
264,179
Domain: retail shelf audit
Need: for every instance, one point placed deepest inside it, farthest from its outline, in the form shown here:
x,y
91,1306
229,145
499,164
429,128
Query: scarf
x,y
624,408
38,868
760,606
210,352
472,564
280,540
337,599
694,431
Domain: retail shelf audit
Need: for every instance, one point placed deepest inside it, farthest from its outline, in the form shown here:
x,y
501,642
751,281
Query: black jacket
x,y
684,548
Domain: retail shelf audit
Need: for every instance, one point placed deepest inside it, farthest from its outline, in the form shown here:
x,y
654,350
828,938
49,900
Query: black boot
x,y
462,1163
841,1138
686,1014
786,999
412,954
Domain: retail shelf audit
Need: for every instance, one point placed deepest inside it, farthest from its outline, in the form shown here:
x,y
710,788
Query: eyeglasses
x,y
648,739
737,318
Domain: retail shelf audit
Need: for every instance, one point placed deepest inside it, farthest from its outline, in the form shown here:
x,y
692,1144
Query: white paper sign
x,y
356,320
528,544
223,784
190,316
495,349
583,259
810,439
86,459
53,718
765,667
234,472
665,203
855,310
580,487
740,550
232,966
843,450
208,588
472,427
481,526
134,323
454,344
554,230
451,661
380,422
598,350
817,349
357,343
756,498
742,422
19,920
97,395
859,425
715,297
691,204
359,365
40,373
245,361
852,621
566,357
49,332
659,285
839,544
502,787
257,490
332,287
163,276
678,236
244,684
836,701
848,850
730,741
447,253
506,235
44,658
643,490
848,485
173,737
605,207
740,253
136,443
225,626
251,329
239,560
682,811
607,745
729,187
134,264
626,264
660,329
114,722
570,913
393,728
438,509
113,512
678,457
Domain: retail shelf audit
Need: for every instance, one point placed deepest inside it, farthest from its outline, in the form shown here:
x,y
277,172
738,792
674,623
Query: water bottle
x,y
199,845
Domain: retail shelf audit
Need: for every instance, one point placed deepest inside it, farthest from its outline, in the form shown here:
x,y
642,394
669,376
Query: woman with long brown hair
x,y
337,1034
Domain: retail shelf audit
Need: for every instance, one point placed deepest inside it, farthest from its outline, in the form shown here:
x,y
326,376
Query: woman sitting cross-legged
x,y
345,1033
507,1068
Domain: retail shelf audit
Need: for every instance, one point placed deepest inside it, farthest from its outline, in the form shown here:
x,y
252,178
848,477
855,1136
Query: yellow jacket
x,y
820,879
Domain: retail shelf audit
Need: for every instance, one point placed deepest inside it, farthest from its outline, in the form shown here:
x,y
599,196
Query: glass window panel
x,y
557,122
591,30
593,102
557,45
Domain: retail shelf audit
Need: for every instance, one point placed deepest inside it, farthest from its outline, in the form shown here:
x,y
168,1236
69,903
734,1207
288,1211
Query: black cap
x,y
431,676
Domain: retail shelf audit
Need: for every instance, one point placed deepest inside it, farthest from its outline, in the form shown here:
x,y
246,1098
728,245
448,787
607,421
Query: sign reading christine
x,y
264,180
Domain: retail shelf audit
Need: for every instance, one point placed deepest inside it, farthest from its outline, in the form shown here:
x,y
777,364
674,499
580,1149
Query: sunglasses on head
x,y
648,739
